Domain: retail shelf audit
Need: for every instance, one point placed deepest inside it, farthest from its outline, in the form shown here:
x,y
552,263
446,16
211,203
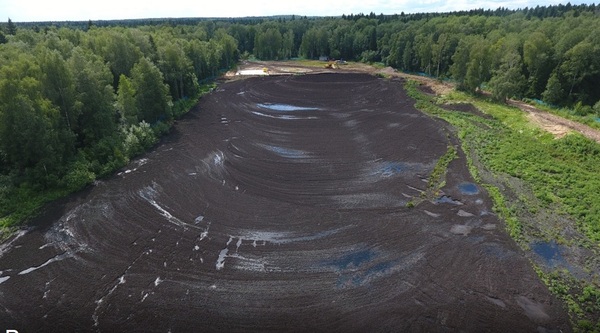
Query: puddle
x,y
459,229
286,152
353,260
286,116
285,107
259,72
360,279
389,169
549,251
468,188
365,266
448,200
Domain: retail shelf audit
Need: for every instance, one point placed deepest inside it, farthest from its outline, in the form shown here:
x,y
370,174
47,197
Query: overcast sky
x,y
80,10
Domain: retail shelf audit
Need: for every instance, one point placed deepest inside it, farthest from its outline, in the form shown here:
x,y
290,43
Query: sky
x,y
83,10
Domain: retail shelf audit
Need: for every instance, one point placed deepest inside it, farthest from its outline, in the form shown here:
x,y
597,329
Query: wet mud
x,y
280,204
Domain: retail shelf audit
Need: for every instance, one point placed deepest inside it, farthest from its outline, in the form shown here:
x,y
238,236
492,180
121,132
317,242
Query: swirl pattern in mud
x,y
279,204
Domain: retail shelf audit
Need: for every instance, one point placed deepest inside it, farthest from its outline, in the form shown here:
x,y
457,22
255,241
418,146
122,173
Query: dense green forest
x,y
80,99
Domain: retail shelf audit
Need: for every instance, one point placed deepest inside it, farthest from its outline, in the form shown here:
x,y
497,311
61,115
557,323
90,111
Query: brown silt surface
x,y
281,204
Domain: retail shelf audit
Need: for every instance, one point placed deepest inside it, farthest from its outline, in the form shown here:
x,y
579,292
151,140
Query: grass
x,y
581,298
437,179
24,203
557,177
560,172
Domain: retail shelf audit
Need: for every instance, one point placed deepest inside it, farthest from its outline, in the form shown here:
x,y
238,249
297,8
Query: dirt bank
x,y
280,204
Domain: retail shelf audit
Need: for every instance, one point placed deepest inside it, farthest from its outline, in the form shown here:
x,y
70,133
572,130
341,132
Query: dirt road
x,y
280,204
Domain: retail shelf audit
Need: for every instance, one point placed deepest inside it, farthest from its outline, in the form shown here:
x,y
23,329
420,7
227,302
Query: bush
x,y
79,176
138,138
161,128
597,108
582,110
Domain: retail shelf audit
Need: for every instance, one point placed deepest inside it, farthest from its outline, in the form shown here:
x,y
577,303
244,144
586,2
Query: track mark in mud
x,y
95,316
6,246
222,255
463,213
431,213
149,194
158,281
496,301
137,163
262,238
534,310
119,281
213,165
48,262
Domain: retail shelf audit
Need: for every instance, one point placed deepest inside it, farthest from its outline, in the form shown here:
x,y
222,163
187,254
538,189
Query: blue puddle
x,y
468,188
352,260
391,168
448,200
357,269
550,252
286,152
285,107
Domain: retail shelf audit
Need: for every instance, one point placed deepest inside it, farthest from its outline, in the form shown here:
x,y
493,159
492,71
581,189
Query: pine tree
x,y
11,29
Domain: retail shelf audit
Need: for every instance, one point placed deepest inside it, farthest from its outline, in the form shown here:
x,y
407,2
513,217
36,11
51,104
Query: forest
x,y
78,100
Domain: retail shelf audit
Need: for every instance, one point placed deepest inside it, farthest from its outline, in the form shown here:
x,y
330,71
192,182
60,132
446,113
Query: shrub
x,y
79,176
138,138
582,110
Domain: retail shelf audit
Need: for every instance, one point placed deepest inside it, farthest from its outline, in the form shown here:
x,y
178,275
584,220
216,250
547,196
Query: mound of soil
x,y
426,89
280,204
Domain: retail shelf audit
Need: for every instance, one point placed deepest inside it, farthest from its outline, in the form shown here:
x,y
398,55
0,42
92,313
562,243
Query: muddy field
x,y
280,204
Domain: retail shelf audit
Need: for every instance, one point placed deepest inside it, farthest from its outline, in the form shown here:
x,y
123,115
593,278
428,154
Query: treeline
x,y
76,105
546,53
